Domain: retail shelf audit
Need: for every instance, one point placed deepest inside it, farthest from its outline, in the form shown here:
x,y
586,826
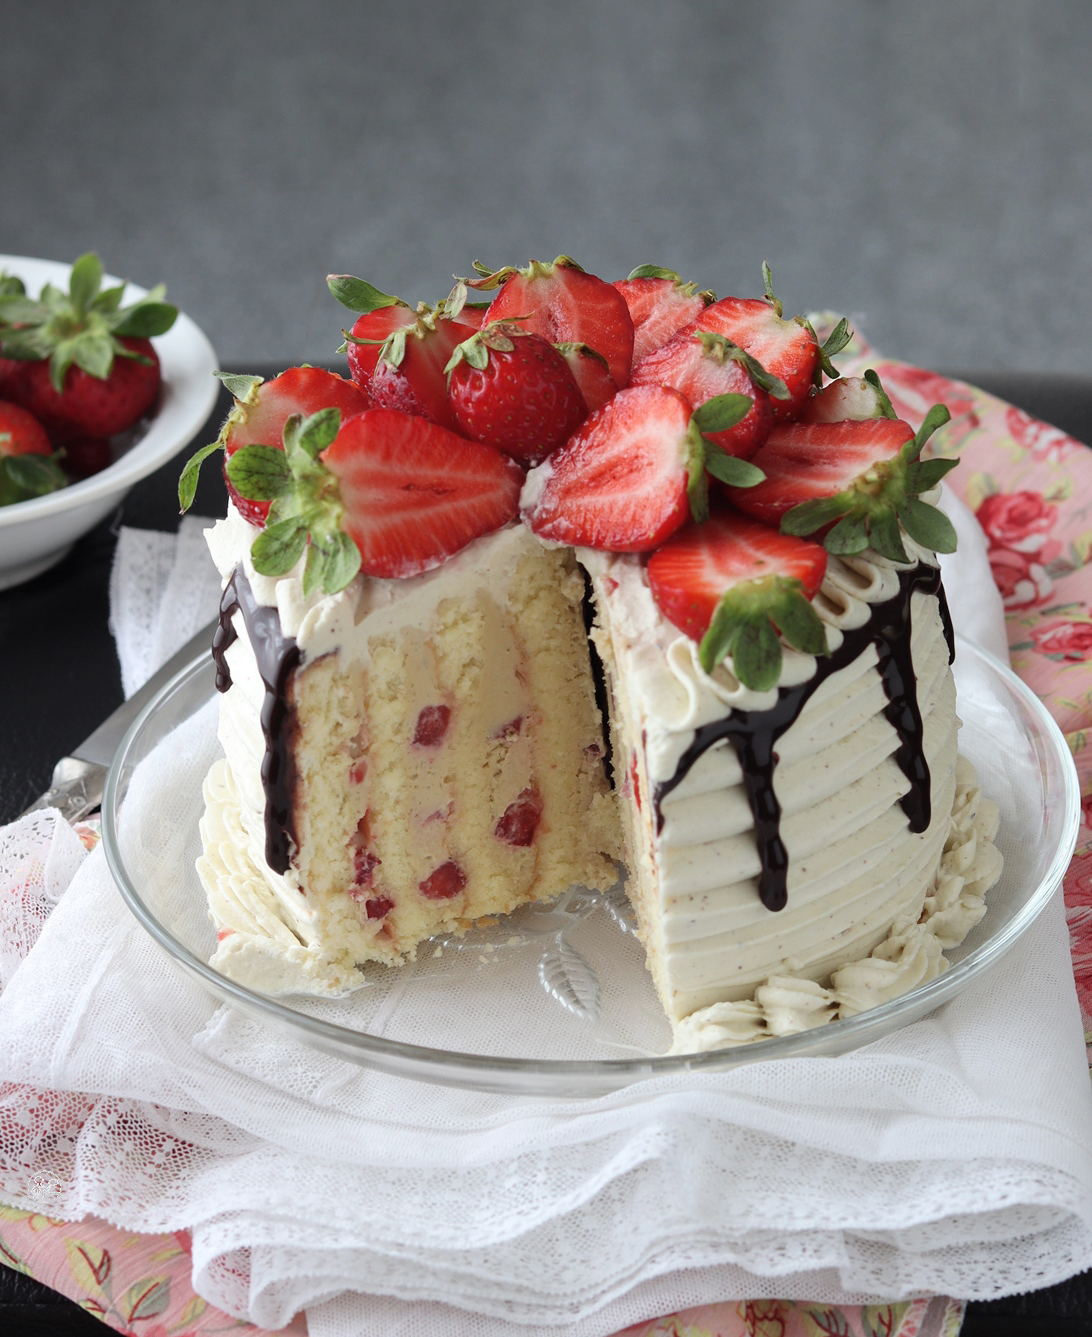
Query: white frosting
x,y
911,954
867,914
855,869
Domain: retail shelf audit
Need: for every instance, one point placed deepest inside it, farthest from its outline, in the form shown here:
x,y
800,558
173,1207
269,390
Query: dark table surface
x,y
59,676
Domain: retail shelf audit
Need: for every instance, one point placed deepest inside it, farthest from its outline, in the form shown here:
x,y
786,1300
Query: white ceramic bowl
x,y
36,534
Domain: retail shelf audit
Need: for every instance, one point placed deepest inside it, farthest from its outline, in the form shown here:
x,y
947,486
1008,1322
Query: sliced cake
x,y
409,721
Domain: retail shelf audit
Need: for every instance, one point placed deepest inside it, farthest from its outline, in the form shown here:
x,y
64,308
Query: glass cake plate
x,y
555,1000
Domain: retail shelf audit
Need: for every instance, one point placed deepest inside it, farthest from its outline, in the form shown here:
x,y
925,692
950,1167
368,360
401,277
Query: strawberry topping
x,y
410,372
732,584
620,482
804,460
701,367
414,493
515,391
264,407
591,372
863,474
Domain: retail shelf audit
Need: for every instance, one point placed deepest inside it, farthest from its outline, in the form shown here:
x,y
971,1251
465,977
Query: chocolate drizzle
x,y
754,733
277,657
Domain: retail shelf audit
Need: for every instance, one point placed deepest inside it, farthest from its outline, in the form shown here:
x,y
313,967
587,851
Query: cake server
x,y
77,784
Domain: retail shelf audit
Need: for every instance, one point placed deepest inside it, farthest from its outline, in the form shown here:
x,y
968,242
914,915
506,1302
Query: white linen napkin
x,y
952,1156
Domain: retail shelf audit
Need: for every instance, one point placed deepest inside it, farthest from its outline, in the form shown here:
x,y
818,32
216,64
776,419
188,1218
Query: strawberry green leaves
x,y
358,294
306,509
706,457
244,390
81,327
32,475
746,625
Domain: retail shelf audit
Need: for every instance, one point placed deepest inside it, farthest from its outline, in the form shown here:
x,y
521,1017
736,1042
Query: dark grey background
x,y
925,166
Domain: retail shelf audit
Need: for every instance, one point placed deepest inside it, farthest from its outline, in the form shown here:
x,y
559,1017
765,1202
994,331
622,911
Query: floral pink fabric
x,y
1031,487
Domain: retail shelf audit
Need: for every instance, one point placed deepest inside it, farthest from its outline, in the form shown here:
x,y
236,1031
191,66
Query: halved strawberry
x,y
633,473
259,415
369,333
701,366
513,390
414,493
660,304
733,584
384,492
864,474
787,350
565,305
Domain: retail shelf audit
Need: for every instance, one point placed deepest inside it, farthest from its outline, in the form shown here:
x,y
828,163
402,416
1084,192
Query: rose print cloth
x,y
1026,482
1030,487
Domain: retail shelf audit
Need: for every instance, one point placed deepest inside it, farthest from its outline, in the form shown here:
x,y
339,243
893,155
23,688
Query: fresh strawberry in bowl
x,y
36,533
88,363
27,464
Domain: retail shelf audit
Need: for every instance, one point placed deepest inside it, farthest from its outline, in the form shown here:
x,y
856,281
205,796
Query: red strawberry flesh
x,y
804,461
785,348
690,574
619,483
415,493
432,722
519,821
444,882
566,305
699,376
659,308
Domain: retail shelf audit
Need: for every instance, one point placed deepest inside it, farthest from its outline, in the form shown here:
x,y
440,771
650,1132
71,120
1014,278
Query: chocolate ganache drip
x,y
277,657
754,734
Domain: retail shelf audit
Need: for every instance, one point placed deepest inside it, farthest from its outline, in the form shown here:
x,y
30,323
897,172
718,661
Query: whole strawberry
x,y
88,366
515,391
28,467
